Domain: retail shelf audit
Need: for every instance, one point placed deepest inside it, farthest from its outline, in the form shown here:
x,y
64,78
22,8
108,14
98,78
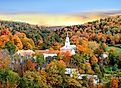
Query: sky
x,y
58,6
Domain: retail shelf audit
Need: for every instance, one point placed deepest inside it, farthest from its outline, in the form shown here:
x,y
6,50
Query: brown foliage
x,y
67,56
4,59
30,65
114,83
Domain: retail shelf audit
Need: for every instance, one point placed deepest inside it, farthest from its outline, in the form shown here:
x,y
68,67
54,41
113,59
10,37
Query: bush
x,y
8,79
32,80
71,83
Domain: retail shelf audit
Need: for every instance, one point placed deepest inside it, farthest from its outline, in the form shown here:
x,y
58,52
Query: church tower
x,y
68,47
67,42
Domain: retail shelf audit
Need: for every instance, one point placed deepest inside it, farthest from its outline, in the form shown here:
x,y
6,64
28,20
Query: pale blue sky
x,y
57,6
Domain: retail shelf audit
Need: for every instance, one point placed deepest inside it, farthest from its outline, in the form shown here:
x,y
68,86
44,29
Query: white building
x,y
49,54
68,47
105,55
25,52
73,71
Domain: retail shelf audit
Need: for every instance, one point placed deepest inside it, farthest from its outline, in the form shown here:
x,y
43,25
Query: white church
x,y
68,47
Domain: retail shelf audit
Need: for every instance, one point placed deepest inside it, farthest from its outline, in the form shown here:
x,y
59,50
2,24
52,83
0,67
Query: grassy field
x,y
117,50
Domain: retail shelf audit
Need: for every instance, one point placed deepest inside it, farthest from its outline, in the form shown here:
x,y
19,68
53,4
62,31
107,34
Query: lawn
x,y
117,50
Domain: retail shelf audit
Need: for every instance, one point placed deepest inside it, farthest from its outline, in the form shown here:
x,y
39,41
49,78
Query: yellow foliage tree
x,y
17,42
26,42
40,41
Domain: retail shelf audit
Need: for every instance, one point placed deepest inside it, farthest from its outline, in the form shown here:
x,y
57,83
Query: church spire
x,y
67,42
67,34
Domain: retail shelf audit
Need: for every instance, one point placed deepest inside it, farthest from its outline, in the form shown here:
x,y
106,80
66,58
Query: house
x,y
95,77
68,71
47,53
25,52
74,72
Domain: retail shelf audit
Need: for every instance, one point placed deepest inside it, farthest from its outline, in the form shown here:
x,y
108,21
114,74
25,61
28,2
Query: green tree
x,y
39,58
8,79
76,60
71,83
10,47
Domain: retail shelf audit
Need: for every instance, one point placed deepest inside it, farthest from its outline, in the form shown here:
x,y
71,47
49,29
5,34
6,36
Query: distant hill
x,y
44,19
22,25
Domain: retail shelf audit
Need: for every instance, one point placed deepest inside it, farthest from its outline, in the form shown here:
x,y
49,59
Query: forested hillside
x,y
104,30
93,40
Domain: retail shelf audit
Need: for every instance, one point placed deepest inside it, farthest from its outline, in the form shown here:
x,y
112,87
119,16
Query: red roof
x,y
47,51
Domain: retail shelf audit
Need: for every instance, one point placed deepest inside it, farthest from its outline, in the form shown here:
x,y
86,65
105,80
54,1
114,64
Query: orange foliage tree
x,y
114,83
55,46
3,40
17,42
93,59
67,56
60,56
74,39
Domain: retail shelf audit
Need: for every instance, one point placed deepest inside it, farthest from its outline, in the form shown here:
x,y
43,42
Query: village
x,y
72,72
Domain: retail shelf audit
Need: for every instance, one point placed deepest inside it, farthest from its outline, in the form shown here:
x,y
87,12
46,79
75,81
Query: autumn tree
x,y
17,42
114,83
4,59
55,80
76,60
56,46
8,79
71,83
3,40
56,71
67,56
55,67
32,79
30,65
93,59
26,42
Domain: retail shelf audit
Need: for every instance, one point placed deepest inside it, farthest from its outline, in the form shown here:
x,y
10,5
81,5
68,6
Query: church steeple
x,y
67,42
68,47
